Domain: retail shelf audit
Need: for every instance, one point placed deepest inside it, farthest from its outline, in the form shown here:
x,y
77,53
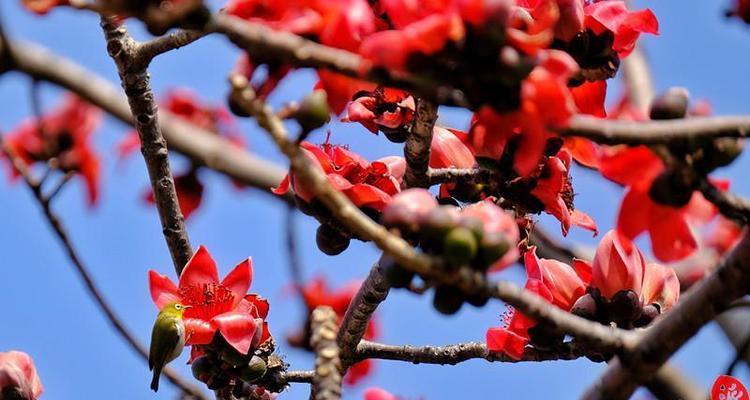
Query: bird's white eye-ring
x,y
178,306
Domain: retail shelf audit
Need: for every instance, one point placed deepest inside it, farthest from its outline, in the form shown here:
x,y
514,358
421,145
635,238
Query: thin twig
x,y
458,353
57,226
172,41
326,383
295,263
136,83
728,204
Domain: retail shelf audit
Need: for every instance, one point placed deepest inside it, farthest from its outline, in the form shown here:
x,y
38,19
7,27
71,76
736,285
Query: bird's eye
x,y
178,306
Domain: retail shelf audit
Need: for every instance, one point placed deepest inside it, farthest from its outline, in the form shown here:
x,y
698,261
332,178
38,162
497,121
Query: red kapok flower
x,y
366,184
557,283
316,293
545,102
627,26
554,190
618,265
381,109
42,7
63,134
18,377
222,306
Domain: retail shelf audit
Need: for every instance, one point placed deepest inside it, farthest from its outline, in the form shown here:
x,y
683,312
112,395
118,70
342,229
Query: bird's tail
x,y
155,379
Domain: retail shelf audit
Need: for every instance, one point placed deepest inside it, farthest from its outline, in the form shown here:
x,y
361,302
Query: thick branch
x,y
371,293
657,132
83,272
700,305
326,382
136,83
417,147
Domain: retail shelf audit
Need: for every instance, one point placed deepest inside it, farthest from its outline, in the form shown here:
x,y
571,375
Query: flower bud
x,y
398,135
202,369
460,246
408,208
436,224
625,306
447,300
585,307
313,112
671,188
672,104
618,265
254,370
648,314
330,240
396,275
543,336
18,377
722,152
235,107
478,299
494,245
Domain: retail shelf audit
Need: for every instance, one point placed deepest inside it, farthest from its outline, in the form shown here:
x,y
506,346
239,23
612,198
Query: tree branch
x,y
201,146
457,353
731,206
326,382
417,147
468,280
657,132
371,293
57,227
260,40
172,41
698,306
136,83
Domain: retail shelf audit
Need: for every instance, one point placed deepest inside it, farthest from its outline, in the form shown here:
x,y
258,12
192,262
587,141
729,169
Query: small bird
x,y
167,339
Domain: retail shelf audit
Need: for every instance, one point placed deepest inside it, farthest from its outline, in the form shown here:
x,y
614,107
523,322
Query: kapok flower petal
x,y
198,331
237,329
510,343
163,290
671,237
378,394
239,280
201,269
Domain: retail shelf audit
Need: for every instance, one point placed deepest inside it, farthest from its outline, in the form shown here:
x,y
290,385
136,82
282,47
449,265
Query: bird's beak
x,y
187,307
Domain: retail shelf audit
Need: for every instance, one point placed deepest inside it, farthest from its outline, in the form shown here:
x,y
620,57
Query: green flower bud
x,y
254,370
313,112
460,246
492,247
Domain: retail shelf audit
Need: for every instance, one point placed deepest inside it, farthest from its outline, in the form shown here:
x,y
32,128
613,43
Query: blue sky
x,y
48,314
